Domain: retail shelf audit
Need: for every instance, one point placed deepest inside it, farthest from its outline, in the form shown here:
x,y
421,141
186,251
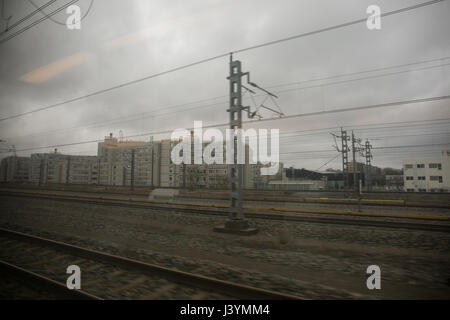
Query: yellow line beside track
x,y
336,212
362,200
353,213
204,205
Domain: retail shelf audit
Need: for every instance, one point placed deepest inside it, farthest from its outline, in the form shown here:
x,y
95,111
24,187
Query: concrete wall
x,y
15,169
427,174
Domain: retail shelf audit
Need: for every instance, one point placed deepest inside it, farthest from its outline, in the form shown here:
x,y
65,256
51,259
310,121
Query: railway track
x,y
220,210
333,197
328,200
40,286
43,263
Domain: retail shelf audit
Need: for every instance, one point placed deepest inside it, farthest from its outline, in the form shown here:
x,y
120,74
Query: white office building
x,y
427,174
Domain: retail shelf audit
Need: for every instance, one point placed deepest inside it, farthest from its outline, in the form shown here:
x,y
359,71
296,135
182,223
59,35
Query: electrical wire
x,y
36,22
215,57
28,16
272,119
56,21
326,163
151,114
339,26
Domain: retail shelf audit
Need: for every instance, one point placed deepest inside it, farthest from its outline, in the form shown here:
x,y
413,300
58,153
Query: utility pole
x,y
153,160
184,175
368,155
359,149
344,150
153,163
99,172
41,172
68,170
132,169
355,183
236,222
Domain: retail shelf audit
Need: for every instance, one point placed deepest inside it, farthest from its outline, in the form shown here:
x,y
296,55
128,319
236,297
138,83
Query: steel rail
x,y
41,282
231,289
218,210
249,196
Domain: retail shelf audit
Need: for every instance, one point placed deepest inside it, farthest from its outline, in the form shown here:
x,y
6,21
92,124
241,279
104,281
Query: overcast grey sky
x,y
120,41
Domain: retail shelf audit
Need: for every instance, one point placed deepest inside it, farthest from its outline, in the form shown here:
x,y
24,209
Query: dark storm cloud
x,y
126,40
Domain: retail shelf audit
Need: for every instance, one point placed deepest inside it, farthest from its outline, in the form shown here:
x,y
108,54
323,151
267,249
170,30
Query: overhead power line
x,y
113,88
412,135
362,72
296,136
299,115
54,20
373,106
27,17
332,159
37,22
339,26
152,114
406,9
412,146
378,148
362,78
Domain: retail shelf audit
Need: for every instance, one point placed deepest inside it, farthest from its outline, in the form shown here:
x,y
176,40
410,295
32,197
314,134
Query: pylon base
x,y
236,226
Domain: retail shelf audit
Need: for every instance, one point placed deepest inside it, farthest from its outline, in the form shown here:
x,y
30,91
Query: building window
x,y
421,178
436,178
421,165
435,166
422,190
410,190
409,178
408,166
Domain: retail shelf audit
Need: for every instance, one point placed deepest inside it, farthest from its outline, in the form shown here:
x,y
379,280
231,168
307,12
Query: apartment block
x,y
427,174
48,168
59,168
15,169
126,163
